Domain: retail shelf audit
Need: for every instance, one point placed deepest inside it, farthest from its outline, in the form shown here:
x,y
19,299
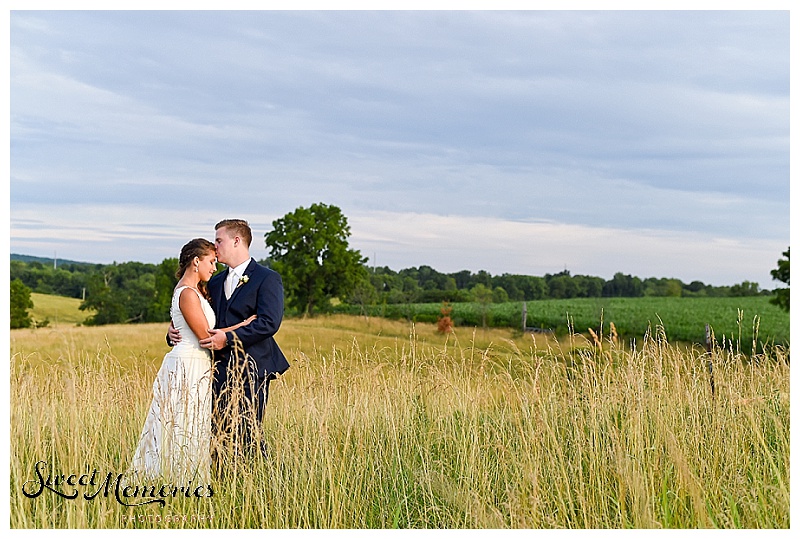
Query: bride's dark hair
x,y
199,248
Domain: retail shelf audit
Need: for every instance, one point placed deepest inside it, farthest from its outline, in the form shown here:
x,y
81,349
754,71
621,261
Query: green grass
x,y
57,310
684,319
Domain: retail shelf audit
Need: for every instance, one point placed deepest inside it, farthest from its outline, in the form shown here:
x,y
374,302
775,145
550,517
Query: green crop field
x,y
738,319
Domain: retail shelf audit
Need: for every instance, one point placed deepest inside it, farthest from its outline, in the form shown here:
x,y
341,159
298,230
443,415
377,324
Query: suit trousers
x,y
239,398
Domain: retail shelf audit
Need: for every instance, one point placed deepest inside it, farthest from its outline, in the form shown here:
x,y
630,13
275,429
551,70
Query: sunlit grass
x,y
58,311
382,424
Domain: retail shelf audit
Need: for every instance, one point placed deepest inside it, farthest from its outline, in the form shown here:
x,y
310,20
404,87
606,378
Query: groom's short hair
x,y
238,227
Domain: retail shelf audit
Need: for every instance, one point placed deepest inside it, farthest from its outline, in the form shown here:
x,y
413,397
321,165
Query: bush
x,y
445,323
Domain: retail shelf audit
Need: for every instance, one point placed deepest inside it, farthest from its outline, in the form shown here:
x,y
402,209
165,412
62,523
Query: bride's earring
x,y
196,269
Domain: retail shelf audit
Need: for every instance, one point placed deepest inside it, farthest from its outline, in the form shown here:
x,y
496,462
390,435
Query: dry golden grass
x,y
382,424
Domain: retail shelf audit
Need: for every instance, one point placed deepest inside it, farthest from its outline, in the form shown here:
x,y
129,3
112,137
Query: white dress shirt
x,y
234,274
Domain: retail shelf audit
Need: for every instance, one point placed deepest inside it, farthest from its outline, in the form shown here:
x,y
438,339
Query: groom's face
x,y
224,244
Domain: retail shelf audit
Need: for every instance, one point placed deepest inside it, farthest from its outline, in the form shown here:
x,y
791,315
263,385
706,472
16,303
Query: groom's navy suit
x,y
259,292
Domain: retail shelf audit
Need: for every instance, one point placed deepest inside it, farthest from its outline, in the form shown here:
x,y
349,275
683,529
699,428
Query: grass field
x,y
741,320
744,319
387,424
57,310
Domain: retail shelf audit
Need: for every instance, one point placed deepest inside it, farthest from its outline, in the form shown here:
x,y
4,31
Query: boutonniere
x,y
243,280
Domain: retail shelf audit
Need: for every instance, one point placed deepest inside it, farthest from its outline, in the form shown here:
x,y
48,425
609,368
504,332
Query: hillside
x,y
59,310
46,261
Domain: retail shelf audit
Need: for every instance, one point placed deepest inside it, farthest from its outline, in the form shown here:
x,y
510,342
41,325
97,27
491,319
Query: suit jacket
x,y
262,295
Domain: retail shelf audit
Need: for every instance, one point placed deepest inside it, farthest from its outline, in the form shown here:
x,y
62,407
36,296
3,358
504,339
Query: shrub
x,y
445,323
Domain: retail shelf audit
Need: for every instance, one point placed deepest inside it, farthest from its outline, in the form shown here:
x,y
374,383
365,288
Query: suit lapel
x,y
218,296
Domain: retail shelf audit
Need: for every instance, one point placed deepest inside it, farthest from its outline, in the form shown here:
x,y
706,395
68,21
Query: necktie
x,y
229,284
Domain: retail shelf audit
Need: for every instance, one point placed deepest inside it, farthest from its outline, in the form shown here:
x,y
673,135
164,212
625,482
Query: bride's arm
x,y
189,303
237,326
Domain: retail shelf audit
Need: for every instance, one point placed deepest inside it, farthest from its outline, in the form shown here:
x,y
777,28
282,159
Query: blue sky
x,y
655,143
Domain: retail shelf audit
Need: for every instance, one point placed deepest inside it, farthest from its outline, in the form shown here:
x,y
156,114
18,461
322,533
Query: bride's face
x,y
207,266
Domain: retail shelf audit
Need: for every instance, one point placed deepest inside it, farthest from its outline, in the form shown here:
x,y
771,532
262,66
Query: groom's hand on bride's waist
x,y
217,341
173,335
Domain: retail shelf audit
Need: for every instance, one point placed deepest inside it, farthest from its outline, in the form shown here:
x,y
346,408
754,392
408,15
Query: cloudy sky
x,y
654,143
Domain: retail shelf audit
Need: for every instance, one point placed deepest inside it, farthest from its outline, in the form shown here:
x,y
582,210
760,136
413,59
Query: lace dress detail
x,y
176,439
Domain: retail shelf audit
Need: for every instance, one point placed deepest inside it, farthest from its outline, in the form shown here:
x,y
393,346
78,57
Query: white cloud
x,y
665,131
448,243
453,243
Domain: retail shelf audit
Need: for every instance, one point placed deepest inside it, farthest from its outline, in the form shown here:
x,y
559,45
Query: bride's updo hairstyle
x,y
199,248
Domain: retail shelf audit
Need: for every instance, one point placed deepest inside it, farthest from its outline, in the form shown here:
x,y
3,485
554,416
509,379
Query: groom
x,y
246,288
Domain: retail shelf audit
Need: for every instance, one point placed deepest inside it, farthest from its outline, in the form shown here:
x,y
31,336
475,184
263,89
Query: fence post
x,y
524,316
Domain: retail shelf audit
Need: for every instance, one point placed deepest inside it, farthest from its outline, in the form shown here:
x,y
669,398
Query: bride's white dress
x,y
176,438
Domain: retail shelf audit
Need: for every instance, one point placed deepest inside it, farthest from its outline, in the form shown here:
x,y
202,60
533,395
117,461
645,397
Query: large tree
x,y
781,273
20,300
309,248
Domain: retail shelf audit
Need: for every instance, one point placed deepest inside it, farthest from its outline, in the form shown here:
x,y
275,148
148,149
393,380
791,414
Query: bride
x,y
176,439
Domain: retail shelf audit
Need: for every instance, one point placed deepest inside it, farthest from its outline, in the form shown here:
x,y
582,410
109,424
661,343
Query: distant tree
x,y
362,294
561,285
102,298
483,295
430,279
781,273
746,288
695,288
463,279
165,283
309,248
533,288
449,284
483,277
68,280
509,283
122,293
410,289
674,288
588,287
623,286
387,283
20,300
499,295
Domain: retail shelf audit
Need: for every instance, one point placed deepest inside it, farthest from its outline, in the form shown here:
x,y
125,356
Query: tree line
x,y
425,285
309,248
129,292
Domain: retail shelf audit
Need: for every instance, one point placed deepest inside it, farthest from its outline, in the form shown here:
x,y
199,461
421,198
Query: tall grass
x,y
388,425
